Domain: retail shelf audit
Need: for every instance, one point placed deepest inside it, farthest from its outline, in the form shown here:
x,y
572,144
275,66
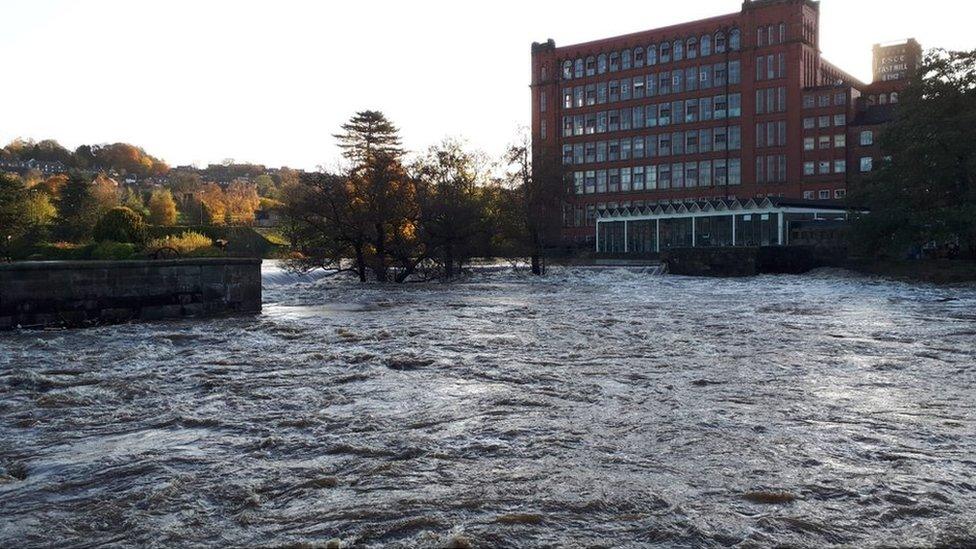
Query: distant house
x,y
24,166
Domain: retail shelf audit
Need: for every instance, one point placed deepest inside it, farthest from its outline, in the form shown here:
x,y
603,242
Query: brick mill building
x,y
732,125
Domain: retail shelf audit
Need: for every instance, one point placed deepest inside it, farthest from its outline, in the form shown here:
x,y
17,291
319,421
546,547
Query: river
x,y
592,408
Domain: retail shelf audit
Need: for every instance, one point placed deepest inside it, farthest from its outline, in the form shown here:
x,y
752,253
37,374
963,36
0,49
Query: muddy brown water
x,y
594,408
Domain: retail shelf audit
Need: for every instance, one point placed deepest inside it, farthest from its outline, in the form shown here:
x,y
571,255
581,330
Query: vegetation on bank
x,y
923,198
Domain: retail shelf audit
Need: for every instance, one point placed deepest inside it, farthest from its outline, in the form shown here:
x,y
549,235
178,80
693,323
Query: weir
x,y
39,294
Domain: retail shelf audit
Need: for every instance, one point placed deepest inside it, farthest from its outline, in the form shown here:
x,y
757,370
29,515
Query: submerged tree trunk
x,y
360,263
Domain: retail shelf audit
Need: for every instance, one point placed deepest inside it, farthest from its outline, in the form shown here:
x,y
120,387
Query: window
x,y
613,180
735,40
543,101
840,140
615,61
840,119
720,74
840,193
824,121
626,179
578,182
705,173
664,83
867,138
638,178
578,96
590,95
720,139
625,89
705,45
638,57
809,123
809,144
735,171
691,79
824,142
735,138
679,50
650,116
601,151
691,110
677,81
692,47
720,42
638,117
638,151
721,171
705,108
626,61
666,52
543,129
735,105
825,195
677,175
602,120
823,101
567,69
601,181
705,77
589,124
568,155
809,168
840,166
824,167
721,103
651,55
735,72
705,140
578,69
809,102
809,195
678,143
840,99
601,63
614,87
625,149
614,121
591,66
567,98
867,164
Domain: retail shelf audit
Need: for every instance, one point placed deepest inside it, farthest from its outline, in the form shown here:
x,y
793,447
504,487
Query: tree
x,y
541,191
120,225
213,204
162,208
13,208
77,208
132,199
369,214
369,135
925,192
266,186
454,218
242,202
39,211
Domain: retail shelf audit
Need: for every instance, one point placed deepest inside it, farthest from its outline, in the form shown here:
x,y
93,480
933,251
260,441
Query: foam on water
x,y
595,407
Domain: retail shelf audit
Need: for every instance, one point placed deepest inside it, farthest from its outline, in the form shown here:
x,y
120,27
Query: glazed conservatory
x,y
709,223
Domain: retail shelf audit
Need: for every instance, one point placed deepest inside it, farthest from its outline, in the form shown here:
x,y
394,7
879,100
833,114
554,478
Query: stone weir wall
x,y
83,293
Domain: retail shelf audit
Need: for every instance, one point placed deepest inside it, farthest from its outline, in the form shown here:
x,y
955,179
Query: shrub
x,y
120,225
108,250
186,243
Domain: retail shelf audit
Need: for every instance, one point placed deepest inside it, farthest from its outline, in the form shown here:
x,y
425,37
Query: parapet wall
x,y
38,294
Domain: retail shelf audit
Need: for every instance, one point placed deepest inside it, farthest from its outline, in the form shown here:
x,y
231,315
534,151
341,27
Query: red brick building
x,y
739,106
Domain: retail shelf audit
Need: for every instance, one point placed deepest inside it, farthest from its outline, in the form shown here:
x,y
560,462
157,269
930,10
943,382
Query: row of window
x,y
771,169
811,101
813,122
651,85
702,109
824,194
653,54
680,175
823,167
824,142
652,146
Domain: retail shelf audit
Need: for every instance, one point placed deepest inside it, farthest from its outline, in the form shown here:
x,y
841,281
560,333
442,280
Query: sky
x,y
269,82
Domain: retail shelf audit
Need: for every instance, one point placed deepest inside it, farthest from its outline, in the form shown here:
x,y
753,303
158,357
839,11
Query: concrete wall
x,y
81,293
735,262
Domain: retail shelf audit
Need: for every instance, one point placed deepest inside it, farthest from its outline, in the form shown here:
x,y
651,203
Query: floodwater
x,y
594,408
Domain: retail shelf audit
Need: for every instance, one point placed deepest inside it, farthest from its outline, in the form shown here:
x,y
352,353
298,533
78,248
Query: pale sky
x,y
198,81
